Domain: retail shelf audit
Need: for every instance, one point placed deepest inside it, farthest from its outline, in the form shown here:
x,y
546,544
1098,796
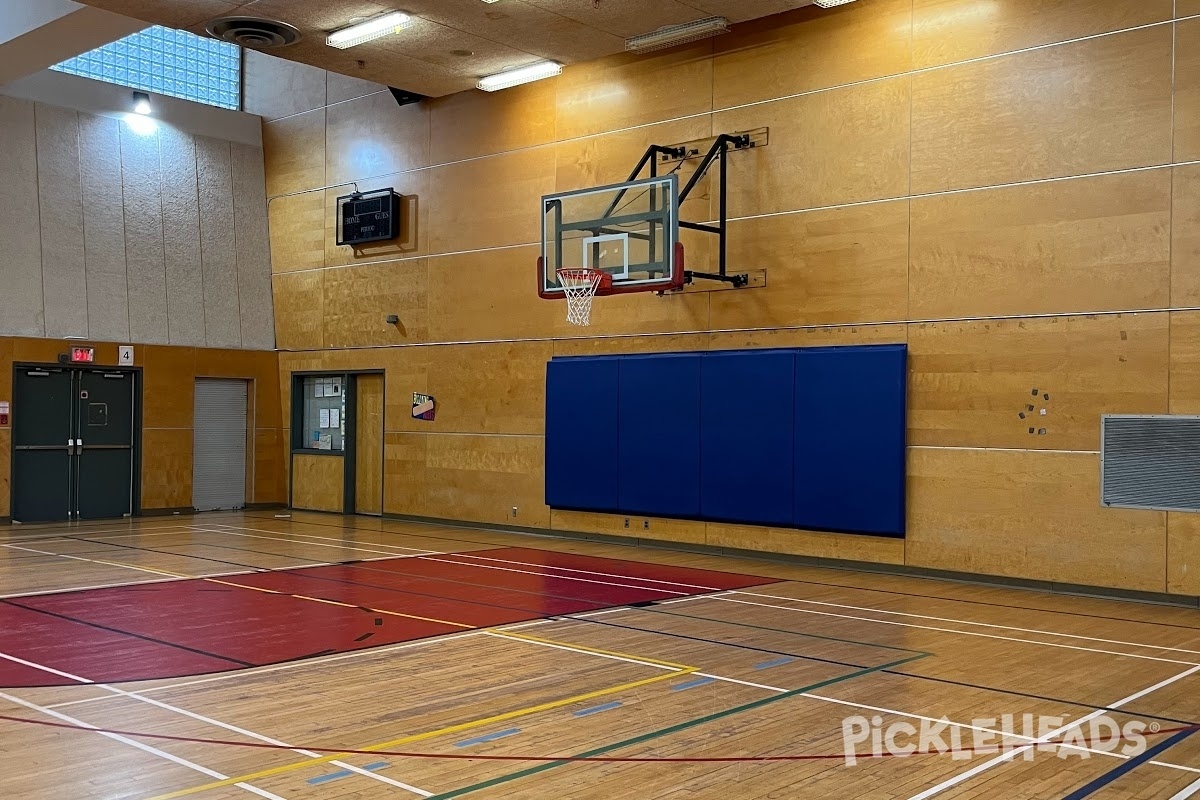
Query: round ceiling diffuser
x,y
259,34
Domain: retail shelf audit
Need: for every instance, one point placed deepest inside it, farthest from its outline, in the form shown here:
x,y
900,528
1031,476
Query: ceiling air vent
x,y
258,34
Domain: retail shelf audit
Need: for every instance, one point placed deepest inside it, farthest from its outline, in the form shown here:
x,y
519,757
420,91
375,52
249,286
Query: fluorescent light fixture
x,y
140,124
515,77
831,3
367,31
141,103
671,35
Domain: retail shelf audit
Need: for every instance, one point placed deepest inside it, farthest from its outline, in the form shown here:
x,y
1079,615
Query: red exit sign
x,y
83,355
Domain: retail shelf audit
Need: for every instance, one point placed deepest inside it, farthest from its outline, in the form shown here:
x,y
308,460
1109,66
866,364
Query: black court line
x,y
364,566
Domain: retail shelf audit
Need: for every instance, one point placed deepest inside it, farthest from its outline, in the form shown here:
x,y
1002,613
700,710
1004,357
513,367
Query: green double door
x,y
73,443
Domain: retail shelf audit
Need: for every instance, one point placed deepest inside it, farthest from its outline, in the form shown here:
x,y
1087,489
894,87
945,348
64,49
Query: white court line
x,y
66,535
314,544
726,599
545,575
114,692
969,622
588,572
86,588
324,538
1188,791
568,648
1011,754
139,745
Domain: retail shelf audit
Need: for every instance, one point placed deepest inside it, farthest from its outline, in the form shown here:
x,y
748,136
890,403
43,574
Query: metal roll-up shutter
x,y
1151,461
219,450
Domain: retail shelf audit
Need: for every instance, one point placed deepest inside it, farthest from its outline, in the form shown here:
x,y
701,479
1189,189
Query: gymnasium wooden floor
x,y
342,658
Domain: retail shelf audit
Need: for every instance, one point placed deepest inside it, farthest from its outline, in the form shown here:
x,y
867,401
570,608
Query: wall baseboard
x,y
168,512
1084,590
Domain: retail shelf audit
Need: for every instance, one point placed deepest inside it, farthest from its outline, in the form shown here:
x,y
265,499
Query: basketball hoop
x,y
580,285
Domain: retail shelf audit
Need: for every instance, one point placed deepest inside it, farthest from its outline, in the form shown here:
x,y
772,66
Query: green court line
x,y
645,737
782,630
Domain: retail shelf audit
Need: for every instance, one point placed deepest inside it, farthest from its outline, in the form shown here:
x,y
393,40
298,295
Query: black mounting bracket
x,y
718,152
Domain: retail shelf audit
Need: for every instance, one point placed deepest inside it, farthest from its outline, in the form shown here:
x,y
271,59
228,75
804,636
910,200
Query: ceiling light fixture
x,y
370,30
671,35
831,3
141,103
515,77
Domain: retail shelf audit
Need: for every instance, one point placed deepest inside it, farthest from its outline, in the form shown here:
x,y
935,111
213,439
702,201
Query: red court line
x,y
187,627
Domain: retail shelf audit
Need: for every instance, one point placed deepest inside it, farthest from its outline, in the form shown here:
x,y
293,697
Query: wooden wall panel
x,y
21,303
168,386
840,146
372,136
841,265
318,483
1185,363
357,301
271,453
405,474
297,226
294,149
480,478
489,203
664,85
1092,244
1187,89
677,343
1185,237
473,124
488,295
167,468
182,245
141,183
806,543
60,200
970,382
811,48
811,337
368,452
479,388
5,469
1090,106
652,528
946,31
1043,520
298,308
104,227
1183,553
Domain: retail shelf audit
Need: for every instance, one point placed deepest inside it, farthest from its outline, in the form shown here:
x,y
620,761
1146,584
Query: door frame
x,y
135,509
350,440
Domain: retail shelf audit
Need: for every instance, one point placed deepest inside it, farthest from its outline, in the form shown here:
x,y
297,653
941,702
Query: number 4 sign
x,y
125,355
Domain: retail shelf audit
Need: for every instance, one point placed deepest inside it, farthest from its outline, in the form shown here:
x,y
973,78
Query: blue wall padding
x,y
581,425
658,435
747,447
850,439
809,438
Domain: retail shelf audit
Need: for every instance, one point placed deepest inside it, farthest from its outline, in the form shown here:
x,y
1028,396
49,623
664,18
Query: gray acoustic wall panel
x,y
60,203
253,247
1150,462
181,237
21,311
222,314
141,182
104,228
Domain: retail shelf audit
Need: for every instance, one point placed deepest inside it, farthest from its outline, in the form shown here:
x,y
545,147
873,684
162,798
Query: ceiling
x,y
489,37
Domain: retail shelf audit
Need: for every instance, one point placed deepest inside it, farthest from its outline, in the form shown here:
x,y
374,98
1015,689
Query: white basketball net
x,y
580,285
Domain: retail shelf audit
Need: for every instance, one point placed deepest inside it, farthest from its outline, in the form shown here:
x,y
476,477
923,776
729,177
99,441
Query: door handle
x,y
70,447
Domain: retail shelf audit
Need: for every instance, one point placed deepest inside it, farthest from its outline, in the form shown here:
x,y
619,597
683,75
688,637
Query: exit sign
x,y
83,355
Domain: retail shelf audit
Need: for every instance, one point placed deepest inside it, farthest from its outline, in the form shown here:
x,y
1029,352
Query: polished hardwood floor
x,y
513,666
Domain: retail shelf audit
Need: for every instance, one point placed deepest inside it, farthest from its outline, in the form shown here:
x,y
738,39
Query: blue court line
x,y
488,738
775,662
583,712
345,773
679,687
1128,766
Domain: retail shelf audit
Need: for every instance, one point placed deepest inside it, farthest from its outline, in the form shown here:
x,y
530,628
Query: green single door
x,y
42,444
104,427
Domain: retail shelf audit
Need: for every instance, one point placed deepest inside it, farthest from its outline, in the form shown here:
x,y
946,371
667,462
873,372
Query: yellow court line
x,y
462,726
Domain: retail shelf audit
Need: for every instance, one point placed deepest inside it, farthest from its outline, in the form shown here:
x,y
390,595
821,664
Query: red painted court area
x,y
191,627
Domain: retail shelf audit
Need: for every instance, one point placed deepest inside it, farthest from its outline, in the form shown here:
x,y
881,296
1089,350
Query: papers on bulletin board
x,y
324,423
326,442
334,418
